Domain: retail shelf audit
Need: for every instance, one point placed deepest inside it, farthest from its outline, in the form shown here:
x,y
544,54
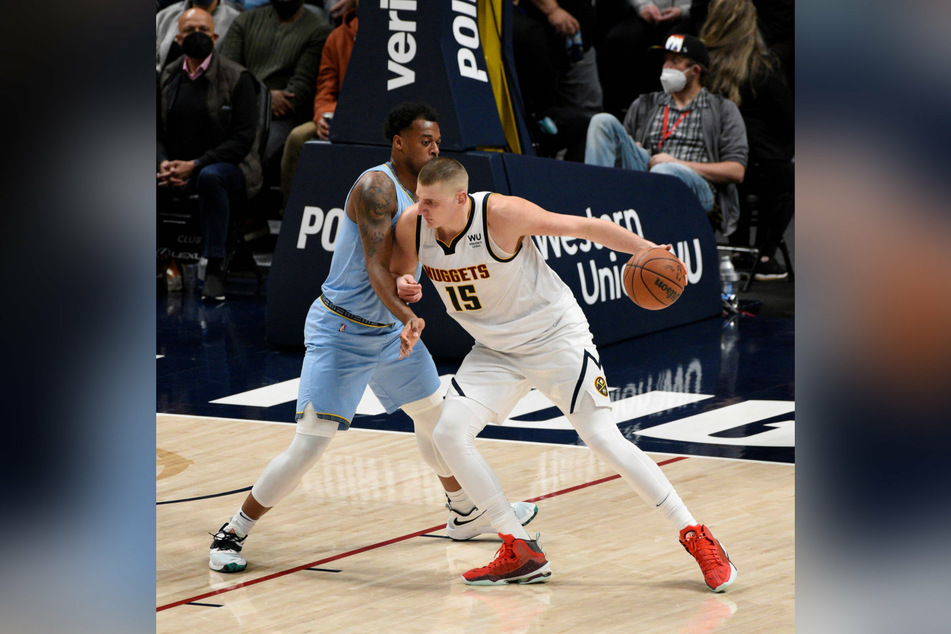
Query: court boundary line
x,y
363,549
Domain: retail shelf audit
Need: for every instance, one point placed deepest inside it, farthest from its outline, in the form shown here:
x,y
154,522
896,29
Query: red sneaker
x,y
517,561
718,571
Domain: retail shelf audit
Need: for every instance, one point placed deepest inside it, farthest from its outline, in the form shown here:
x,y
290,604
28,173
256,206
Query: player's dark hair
x,y
402,116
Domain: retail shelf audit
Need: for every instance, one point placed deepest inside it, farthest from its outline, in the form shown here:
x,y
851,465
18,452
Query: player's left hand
x,y
409,289
410,335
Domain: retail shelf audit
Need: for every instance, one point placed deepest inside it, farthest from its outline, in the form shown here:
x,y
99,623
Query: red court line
x,y
275,575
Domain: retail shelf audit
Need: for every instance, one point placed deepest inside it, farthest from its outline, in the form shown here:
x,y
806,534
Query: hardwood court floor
x,y
360,545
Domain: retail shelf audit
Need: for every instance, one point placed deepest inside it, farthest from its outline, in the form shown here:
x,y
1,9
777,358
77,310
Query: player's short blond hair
x,y
444,170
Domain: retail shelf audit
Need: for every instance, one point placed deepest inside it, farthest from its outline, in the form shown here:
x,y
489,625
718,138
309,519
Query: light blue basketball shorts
x,y
344,356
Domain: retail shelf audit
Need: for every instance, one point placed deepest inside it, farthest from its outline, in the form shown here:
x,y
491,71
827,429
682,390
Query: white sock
x,y
460,501
503,518
241,523
676,511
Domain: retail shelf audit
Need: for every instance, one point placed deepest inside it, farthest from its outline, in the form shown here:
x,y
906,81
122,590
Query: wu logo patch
x,y
475,239
601,386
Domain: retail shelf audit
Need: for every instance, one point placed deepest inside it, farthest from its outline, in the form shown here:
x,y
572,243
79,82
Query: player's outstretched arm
x,y
511,217
372,206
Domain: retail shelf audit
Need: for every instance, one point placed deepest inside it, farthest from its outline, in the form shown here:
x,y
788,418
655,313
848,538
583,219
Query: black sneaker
x,y
742,261
214,288
770,270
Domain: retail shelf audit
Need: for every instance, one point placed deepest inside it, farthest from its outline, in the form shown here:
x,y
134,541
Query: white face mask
x,y
672,80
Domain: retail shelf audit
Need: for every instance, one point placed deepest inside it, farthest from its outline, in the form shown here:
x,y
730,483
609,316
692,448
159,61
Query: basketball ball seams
x,y
660,276
675,282
667,296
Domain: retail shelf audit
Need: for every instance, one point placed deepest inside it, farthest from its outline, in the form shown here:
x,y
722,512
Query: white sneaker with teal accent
x,y
225,554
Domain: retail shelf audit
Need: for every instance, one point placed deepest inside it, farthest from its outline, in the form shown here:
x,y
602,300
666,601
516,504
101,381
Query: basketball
x,y
654,278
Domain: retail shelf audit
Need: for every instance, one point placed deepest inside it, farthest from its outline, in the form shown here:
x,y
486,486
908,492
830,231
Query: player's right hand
x,y
410,335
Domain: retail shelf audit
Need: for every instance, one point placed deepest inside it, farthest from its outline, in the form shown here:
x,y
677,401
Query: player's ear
x,y
461,197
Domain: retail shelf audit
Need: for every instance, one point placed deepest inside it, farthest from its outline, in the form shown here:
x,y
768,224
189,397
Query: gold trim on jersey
x,y
346,314
450,248
396,179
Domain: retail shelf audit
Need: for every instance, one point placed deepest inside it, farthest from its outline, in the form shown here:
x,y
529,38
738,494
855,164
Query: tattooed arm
x,y
372,206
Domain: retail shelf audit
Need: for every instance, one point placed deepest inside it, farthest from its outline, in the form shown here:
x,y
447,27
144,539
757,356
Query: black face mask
x,y
286,9
198,45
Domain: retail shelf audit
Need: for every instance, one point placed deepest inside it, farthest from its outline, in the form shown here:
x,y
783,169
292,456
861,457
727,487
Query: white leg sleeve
x,y
461,421
284,472
597,429
425,414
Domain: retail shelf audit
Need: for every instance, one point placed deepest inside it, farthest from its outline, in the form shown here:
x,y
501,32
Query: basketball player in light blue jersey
x,y
352,336
529,331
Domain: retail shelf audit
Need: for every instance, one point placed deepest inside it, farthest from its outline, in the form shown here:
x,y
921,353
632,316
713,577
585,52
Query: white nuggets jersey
x,y
503,300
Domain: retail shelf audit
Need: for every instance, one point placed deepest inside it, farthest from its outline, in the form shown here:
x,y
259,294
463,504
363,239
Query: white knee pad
x,y
311,425
284,472
461,421
425,414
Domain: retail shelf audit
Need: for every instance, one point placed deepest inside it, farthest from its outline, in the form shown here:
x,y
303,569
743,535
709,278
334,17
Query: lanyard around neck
x,y
666,132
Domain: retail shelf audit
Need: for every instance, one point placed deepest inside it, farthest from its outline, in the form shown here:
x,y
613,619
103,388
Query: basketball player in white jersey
x,y
353,339
528,330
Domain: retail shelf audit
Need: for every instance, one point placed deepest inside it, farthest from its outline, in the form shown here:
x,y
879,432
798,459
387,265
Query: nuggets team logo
x,y
601,386
674,43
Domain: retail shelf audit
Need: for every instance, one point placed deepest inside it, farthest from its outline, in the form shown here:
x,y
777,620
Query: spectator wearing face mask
x,y
207,144
166,25
684,131
281,45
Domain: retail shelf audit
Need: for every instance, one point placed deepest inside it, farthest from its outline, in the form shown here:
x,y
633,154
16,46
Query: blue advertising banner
x,y
660,208
657,207
411,50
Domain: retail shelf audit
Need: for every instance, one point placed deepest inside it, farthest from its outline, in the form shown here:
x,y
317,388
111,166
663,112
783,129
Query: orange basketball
x,y
654,278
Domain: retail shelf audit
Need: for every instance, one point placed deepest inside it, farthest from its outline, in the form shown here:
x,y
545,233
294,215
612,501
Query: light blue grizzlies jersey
x,y
348,284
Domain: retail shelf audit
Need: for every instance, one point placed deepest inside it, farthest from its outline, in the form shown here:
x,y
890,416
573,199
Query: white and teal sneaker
x,y
225,555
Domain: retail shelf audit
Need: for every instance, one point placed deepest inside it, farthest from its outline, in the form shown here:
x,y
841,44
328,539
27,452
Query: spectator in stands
x,y
281,45
684,131
207,141
166,25
333,67
776,22
632,26
746,72
557,72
